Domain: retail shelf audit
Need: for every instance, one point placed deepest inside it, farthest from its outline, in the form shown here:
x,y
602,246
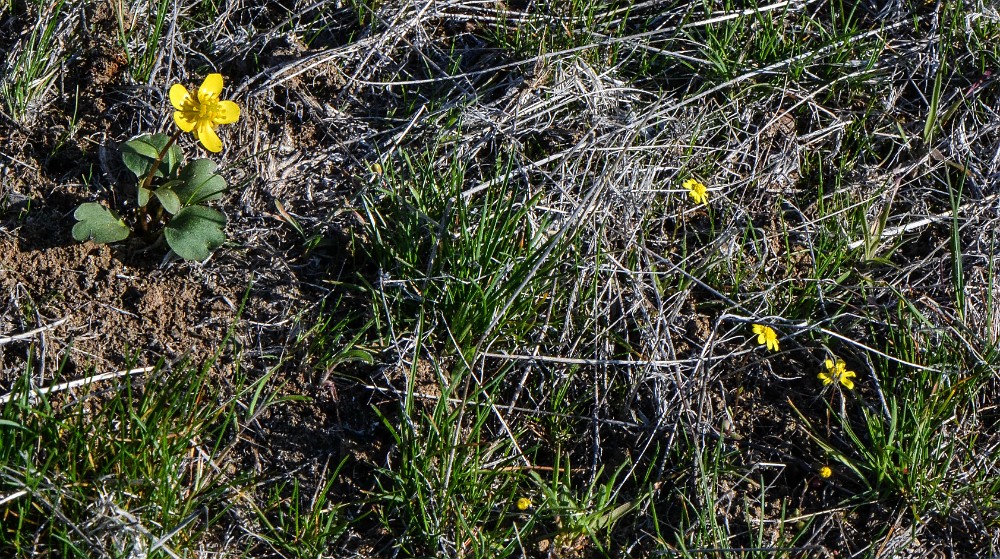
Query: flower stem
x,y
144,218
159,159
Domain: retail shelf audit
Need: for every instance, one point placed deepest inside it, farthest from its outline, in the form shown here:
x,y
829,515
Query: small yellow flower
x,y
697,191
836,371
766,336
523,503
202,113
825,472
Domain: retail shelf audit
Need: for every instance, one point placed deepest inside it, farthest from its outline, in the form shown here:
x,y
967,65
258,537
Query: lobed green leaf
x,y
195,232
98,224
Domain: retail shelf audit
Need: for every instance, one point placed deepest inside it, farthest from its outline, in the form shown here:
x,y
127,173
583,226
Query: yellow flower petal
x,y
210,89
178,95
845,379
698,195
227,112
208,138
183,122
758,329
825,378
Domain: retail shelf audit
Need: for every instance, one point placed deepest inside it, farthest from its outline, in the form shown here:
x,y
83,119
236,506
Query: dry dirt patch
x,y
116,312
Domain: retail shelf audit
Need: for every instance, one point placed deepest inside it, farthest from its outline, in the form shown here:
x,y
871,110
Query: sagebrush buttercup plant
x,y
171,195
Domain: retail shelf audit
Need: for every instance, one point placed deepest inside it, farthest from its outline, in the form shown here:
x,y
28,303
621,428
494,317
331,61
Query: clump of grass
x,y
143,54
137,468
33,62
304,525
457,260
451,483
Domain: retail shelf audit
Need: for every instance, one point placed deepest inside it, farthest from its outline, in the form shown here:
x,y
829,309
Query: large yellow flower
x,y
202,113
836,371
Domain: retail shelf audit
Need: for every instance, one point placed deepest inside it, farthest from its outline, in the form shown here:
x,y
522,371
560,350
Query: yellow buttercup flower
x,y
523,503
203,112
766,336
825,472
836,371
697,191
